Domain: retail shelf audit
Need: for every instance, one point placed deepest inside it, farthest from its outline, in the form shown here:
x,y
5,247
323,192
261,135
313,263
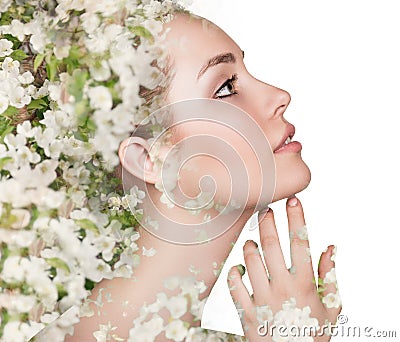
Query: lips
x,y
289,133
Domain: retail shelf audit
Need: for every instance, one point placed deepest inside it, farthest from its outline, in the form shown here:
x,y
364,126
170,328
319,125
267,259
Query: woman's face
x,y
207,63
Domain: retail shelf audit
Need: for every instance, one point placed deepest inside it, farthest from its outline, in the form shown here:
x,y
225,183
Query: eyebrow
x,y
228,57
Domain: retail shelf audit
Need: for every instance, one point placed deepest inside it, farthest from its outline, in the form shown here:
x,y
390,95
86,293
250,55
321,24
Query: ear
x,y
134,157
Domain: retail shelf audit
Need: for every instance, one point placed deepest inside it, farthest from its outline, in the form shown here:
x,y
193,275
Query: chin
x,y
289,183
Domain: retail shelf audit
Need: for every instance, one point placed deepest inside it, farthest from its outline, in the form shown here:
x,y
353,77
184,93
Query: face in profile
x,y
212,172
207,63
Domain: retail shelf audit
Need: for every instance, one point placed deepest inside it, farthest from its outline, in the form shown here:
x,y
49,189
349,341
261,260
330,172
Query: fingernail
x,y
251,241
333,253
262,213
241,269
292,202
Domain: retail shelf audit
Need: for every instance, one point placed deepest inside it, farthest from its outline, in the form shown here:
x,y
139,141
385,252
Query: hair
x,y
150,96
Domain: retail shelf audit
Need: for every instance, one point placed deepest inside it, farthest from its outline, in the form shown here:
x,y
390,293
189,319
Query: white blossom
x,y
22,218
100,98
4,102
196,335
176,330
4,5
26,78
12,191
330,277
11,67
12,269
134,197
38,41
19,98
25,129
146,331
100,72
148,252
16,303
105,333
62,51
302,233
171,283
90,22
15,331
177,306
291,315
332,300
5,47
17,29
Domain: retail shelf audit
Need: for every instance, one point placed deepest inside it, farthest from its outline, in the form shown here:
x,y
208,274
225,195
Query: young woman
x,y
207,64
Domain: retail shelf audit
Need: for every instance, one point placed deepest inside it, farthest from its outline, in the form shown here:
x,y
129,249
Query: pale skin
x,y
276,284
192,42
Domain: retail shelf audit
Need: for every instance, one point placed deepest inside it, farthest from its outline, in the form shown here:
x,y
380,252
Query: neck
x,y
201,260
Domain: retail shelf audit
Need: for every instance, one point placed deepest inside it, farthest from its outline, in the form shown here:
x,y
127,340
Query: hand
x,y
279,294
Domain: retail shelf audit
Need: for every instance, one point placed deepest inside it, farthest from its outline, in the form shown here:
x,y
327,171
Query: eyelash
x,y
230,82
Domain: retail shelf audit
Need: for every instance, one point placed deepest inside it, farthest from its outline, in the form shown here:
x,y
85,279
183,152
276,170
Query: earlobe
x,y
134,157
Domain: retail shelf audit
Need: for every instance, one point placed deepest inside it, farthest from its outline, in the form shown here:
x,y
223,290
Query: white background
x,y
340,61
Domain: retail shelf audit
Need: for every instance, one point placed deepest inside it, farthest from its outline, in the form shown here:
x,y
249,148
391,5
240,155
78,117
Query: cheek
x,y
225,153
227,166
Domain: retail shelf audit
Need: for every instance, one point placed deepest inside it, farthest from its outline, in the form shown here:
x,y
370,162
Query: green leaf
x,y
142,32
38,61
81,136
81,111
89,284
58,263
52,67
10,111
5,19
4,161
5,127
74,59
62,292
18,55
91,125
76,83
37,104
14,40
87,225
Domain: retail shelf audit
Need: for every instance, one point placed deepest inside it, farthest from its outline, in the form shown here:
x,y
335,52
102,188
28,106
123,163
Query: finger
x,y
327,283
299,244
256,270
239,293
271,246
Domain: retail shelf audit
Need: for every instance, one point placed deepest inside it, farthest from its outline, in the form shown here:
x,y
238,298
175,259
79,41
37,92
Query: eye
x,y
228,88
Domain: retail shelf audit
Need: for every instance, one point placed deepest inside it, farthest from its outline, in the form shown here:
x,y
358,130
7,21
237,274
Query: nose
x,y
282,100
275,100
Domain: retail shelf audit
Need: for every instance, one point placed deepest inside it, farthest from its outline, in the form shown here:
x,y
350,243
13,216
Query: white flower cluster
x,y
332,299
149,324
15,89
72,74
290,317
